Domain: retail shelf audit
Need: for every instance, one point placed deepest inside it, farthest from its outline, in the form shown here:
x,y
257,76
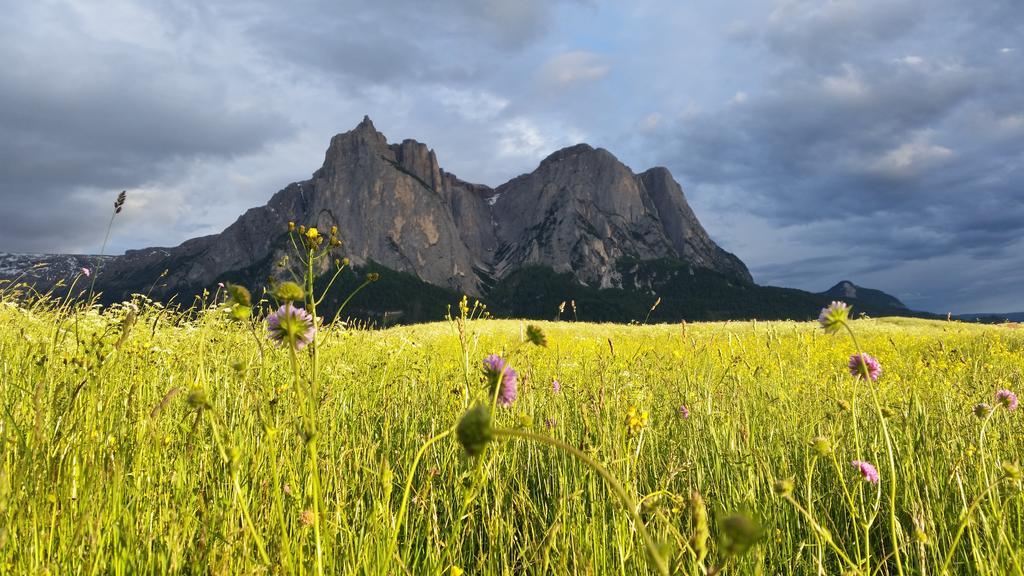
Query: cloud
x,y
572,68
911,159
882,146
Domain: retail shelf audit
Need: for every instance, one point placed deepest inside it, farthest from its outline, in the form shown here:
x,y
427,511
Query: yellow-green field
x,y
149,442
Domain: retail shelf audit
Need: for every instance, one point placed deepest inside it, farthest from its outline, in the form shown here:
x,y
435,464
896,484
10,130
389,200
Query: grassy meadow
x,y
143,440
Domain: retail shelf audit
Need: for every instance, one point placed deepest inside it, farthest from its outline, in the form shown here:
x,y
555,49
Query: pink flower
x,y
1006,399
220,285
867,470
556,386
501,376
86,272
684,411
291,326
859,363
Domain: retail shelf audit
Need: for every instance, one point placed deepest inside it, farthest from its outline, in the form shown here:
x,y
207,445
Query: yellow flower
x,y
312,233
635,420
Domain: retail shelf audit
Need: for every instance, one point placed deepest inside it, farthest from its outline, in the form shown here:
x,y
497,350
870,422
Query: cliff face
x,y
581,211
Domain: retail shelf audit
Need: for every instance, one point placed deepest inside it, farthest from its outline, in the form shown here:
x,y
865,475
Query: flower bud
x,y
474,430
239,294
197,398
821,446
784,486
289,292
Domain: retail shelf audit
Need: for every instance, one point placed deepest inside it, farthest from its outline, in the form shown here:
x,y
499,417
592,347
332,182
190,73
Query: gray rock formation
x,y
580,211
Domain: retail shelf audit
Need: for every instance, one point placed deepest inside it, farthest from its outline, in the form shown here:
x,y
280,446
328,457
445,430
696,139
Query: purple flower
x,y
86,272
1006,399
556,386
291,326
860,362
867,470
502,377
684,412
833,316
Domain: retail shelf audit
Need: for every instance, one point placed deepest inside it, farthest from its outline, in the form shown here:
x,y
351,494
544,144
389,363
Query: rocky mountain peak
x,y
581,211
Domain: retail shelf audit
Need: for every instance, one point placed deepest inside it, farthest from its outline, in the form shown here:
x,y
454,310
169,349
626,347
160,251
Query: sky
x,y
879,141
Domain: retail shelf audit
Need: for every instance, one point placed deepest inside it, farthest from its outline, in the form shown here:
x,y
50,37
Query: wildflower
x,y
220,285
291,226
867,470
502,377
474,430
861,363
635,420
308,517
550,423
684,412
312,234
289,292
821,446
556,386
784,486
291,326
536,336
833,316
373,277
982,410
1006,399
86,272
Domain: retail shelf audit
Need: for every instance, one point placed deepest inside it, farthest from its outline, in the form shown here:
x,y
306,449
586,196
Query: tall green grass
x,y
112,463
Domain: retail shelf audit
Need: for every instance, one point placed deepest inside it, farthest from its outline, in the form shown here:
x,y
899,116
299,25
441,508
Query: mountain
x,y
581,211
582,226
847,290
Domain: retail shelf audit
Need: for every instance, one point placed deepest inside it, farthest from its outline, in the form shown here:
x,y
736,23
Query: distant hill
x,y
989,318
847,290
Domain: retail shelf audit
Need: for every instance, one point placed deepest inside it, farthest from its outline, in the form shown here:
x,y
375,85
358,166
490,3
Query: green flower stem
x,y
825,534
408,488
963,524
849,498
888,448
659,562
285,540
243,504
314,459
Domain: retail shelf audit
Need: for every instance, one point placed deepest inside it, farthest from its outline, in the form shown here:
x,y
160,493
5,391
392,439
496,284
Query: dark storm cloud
x,y
83,116
886,134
